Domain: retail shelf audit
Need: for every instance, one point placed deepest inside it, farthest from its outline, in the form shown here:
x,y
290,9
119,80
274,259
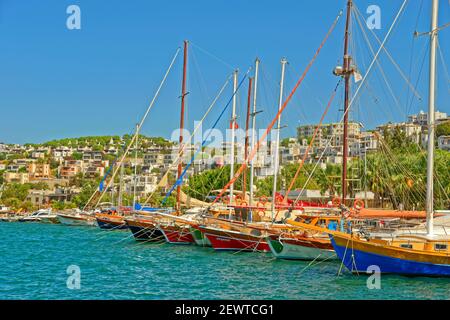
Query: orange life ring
x,y
261,212
336,201
358,204
279,198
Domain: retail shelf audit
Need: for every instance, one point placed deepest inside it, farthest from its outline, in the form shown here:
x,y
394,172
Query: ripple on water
x,y
35,257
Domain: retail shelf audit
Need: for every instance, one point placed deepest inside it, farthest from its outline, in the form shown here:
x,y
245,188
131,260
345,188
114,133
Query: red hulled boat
x,y
176,234
233,240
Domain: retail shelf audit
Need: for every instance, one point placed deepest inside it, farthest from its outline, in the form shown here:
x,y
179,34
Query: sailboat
x,y
226,234
424,254
76,218
172,231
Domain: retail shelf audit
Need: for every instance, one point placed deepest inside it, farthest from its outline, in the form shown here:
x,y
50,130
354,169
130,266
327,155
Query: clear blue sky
x,y
57,83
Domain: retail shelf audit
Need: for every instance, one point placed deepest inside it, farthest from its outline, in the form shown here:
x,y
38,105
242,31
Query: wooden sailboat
x,y
144,228
111,220
172,231
227,235
425,254
300,244
76,219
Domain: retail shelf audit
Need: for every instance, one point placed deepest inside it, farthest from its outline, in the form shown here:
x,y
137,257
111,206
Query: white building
x,y
444,143
422,117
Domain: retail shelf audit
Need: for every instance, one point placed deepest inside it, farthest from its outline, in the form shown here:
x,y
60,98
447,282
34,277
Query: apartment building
x,y
153,159
71,168
411,130
89,156
60,153
332,132
421,118
16,177
38,170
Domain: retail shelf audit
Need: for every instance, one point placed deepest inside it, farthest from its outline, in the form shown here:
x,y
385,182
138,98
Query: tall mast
x,y
135,166
431,98
346,72
119,197
277,142
247,122
252,167
183,96
233,123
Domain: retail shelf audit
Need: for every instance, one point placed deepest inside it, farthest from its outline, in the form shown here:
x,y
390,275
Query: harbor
x,y
233,205
163,271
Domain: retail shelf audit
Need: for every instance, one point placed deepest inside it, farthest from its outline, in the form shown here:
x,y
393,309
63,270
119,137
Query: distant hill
x,y
102,141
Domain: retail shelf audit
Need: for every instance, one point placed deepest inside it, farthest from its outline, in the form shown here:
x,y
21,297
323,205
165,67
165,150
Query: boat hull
x,y
145,231
76,221
199,238
295,249
51,220
111,224
176,234
234,241
360,258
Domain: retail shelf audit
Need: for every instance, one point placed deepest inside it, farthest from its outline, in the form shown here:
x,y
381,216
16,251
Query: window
x,y
406,246
440,246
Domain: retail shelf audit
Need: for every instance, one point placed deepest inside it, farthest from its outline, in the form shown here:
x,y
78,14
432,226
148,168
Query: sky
x,y
99,80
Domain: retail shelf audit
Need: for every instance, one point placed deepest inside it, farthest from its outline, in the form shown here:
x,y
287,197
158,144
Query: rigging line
x,y
201,80
213,56
137,131
199,124
425,55
441,55
402,167
318,127
366,74
412,54
378,63
288,99
180,179
358,14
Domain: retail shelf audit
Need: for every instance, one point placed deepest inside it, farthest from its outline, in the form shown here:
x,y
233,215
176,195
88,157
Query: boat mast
x,y
277,142
252,166
119,196
135,166
183,96
233,124
431,99
346,73
247,122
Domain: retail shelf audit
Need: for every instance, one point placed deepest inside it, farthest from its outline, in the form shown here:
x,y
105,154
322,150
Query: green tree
x,y
443,129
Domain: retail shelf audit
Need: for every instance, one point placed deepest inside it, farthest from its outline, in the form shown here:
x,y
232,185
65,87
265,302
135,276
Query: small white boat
x,y
77,219
42,215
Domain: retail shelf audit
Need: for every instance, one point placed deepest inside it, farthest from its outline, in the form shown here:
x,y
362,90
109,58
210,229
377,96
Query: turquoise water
x,y
34,259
